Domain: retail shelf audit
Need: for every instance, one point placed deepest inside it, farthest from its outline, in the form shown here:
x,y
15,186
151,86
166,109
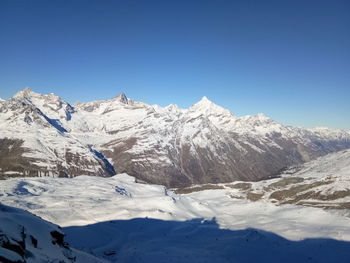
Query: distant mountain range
x,y
43,135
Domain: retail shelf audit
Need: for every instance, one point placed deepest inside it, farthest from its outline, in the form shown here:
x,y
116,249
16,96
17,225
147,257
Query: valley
x,y
113,217
161,145
122,181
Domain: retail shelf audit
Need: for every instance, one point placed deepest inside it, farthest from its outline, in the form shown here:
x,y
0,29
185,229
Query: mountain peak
x,y
204,103
26,92
122,98
262,117
208,107
26,89
204,100
173,108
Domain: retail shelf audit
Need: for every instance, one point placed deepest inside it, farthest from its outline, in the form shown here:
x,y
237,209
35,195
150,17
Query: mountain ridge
x,y
176,147
25,237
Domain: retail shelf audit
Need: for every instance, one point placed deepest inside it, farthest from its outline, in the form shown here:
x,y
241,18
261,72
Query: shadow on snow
x,y
197,240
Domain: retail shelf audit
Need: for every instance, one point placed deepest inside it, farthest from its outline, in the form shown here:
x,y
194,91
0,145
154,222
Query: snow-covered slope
x,y
230,222
36,142
329,133
324,183
203,144
25,237
87,200
199,241
110,217
165,145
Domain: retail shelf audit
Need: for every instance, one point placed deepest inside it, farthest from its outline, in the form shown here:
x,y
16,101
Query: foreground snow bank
x,y
25,237
151,240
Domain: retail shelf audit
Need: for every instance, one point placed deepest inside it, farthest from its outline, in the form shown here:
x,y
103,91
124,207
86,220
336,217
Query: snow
x,y
10,172
330,133
18,226
205,106
111,217
198,240
45,139
86,200
121,220
105,124
203,125
334,167
204,216
10,255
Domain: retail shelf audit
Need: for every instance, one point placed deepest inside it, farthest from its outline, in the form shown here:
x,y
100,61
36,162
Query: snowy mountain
x,y
121,220
165,145
35,142
322,183
25,237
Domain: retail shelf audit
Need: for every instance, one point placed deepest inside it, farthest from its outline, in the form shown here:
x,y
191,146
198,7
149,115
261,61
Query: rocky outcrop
x,y
25,237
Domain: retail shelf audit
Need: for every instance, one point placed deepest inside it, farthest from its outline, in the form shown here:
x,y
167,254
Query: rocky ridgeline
x,y
165,145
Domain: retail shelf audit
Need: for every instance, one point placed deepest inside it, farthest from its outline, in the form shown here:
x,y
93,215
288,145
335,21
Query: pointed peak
x,y
122,95
204,103
173,108
122,98
27,89
204,100
208,107
26,92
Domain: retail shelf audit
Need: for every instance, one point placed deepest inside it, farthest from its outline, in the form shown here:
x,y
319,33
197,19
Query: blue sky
x,y
287,59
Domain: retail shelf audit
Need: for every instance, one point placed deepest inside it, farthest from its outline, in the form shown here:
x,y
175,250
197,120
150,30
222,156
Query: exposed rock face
x,y
25,237
203,144
34,141
165,145
324,183
12,162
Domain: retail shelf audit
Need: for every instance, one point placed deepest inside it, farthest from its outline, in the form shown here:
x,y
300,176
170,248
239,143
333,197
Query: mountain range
x,y
43,135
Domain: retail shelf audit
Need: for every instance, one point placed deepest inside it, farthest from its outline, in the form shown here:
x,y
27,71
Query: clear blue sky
x,y
287,59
